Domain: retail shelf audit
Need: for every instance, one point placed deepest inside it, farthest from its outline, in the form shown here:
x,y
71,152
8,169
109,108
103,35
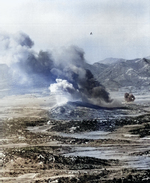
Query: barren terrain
x,y
36,147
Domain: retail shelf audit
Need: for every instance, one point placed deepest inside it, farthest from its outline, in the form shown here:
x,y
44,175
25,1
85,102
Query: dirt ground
x,y
32,149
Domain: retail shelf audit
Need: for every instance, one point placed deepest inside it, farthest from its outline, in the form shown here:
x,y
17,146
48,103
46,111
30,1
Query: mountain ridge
x,y
123,73
117,75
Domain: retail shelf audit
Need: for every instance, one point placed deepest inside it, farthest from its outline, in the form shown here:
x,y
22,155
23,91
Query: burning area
x,y
64,72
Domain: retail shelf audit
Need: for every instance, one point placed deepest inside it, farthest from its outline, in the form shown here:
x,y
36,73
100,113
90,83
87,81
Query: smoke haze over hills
x,y
66,68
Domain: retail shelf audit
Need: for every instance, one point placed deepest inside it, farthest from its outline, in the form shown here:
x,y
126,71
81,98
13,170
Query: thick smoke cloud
x,y
63,70
62,86
14,48
70,66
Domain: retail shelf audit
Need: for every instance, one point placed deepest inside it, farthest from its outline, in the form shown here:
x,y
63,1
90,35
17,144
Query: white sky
x,y
121,28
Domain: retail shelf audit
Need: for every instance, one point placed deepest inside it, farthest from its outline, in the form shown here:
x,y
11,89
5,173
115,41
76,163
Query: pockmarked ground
x,y
35,147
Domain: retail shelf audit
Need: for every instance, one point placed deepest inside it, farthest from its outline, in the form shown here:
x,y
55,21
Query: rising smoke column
x,y
71,66
14,48
27,67
65,69
64,91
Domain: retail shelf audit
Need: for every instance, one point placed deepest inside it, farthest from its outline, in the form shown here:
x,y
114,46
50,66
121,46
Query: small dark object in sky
x,y
91,33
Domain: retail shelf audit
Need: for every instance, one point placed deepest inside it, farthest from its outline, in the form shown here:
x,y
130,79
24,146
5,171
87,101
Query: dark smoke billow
x,y
64,71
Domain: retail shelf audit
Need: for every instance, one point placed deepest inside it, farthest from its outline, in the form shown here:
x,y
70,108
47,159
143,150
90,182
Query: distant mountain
x,y
96,68
111,60
123,73
117,74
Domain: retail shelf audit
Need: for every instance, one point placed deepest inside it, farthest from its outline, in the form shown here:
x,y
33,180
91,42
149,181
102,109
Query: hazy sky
x,y
121,28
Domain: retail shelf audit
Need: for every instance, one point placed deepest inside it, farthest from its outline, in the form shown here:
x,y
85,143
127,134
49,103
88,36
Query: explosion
x,y
66,71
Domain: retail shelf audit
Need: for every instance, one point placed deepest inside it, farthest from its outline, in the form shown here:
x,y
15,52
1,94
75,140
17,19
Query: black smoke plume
x,y
63,70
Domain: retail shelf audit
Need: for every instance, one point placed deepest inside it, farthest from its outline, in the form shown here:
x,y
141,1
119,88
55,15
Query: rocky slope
x,y
132,74
115,74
